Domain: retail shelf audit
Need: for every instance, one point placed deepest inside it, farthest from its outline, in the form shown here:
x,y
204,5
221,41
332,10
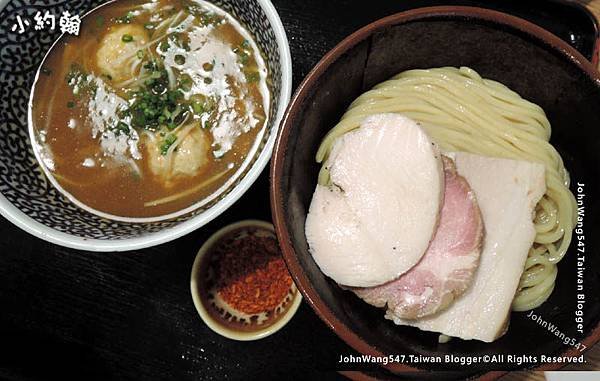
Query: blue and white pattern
x,y
21,179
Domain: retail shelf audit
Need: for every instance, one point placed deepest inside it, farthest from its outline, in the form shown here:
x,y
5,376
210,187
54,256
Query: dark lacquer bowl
x,y
528,59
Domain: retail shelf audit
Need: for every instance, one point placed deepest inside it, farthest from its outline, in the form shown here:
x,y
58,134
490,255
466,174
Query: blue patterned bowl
x,y
31,202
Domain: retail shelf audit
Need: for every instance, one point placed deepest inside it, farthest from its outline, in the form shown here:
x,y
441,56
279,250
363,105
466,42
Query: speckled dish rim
x,y
209,320
310,84
23,221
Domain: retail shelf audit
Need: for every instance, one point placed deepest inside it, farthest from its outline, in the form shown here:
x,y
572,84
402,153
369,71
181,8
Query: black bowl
x,y
528,59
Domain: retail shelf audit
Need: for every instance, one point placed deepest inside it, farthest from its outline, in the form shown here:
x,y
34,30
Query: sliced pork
x,y
377,218
507,192
448,266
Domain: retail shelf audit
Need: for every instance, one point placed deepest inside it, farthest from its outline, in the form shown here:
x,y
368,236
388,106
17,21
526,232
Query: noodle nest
x,y
461,111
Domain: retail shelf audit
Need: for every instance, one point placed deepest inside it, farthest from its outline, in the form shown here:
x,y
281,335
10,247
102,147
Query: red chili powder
x,y
251,275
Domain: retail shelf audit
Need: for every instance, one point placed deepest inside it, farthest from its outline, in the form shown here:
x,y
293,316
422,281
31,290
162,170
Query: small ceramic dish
x,y
221,316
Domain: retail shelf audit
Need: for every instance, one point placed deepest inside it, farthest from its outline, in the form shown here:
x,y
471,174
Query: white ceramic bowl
x,y
31,202
202,309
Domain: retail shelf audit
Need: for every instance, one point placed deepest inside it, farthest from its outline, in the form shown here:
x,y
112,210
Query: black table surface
x,y
71,314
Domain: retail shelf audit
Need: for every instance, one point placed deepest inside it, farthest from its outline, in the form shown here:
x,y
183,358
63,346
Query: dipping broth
x,y
152,109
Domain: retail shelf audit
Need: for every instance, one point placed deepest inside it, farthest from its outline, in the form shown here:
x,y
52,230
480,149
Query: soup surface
x,y
153,108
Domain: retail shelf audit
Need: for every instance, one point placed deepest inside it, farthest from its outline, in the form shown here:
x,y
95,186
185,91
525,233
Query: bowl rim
x,y
23,221
517,24
212,323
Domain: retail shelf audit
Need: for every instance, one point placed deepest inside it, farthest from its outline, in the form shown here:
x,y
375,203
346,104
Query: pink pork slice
x,y
447,267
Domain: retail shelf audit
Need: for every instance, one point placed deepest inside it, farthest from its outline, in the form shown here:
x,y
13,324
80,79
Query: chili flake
x,y
251,275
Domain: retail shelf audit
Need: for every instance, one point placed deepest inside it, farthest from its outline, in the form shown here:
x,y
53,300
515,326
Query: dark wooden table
x,y
71,314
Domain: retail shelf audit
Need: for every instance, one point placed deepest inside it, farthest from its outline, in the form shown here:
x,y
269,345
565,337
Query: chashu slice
x,y
377,218
507,192
448,266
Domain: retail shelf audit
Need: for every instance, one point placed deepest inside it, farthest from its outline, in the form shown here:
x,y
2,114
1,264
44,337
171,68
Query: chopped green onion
x,y
127,38
70,104
126,19
244,58
150,65
167,143
122,128
198,107
185,82
140,54
252,76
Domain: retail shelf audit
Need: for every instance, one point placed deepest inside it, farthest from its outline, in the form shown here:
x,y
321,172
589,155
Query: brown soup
x,y
152,109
